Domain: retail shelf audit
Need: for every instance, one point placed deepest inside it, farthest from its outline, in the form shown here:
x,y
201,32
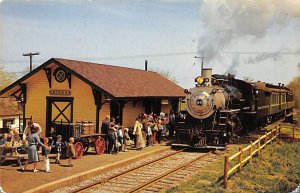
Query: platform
x,y
12,179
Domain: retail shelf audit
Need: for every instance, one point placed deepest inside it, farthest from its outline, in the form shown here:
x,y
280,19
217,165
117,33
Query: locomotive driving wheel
x,y
100,146
79,149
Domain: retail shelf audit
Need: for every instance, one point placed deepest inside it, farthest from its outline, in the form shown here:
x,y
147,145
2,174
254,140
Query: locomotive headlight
x,y
199,80
224,134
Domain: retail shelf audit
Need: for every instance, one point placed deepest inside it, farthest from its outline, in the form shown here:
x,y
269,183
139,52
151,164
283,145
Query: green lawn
x,y
277,170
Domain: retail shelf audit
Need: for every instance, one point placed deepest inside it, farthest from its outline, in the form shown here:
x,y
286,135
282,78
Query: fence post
x,y
266,139
226,164
271,135
258,147
240,158
251,151
293,132
279,130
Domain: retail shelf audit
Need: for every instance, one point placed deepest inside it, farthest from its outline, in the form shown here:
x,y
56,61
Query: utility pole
x,y
202,60
30,54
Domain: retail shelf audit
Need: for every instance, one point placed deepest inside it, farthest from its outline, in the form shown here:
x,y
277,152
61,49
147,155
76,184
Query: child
x,y
70,151
45,152
149,134
4,139
58,149
159,132
120,138
126,139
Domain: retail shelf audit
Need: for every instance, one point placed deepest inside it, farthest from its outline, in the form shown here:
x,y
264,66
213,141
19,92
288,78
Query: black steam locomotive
x,y
220,107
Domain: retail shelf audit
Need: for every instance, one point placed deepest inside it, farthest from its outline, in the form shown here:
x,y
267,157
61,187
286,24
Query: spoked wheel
x,y
86,144
100,146
79,149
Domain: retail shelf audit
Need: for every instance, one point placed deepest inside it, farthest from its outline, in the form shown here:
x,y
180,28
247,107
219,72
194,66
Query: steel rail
x,y
150,182
83,188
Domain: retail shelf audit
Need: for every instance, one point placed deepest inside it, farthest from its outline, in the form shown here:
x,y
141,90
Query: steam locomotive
x,y
220,107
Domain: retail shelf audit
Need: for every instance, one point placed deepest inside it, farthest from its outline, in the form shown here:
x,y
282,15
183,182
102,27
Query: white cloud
x,y
264,26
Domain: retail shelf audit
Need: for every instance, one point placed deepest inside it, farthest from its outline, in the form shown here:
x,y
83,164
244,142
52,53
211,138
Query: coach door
x,y
59,110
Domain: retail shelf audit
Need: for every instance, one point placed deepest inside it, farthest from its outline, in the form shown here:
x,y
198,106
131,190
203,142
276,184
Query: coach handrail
x,y
268,137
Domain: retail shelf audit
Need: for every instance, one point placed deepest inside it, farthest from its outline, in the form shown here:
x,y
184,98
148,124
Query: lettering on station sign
x,y
60,92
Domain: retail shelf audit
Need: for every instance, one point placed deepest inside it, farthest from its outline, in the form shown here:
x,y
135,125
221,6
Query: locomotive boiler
x,y
220,107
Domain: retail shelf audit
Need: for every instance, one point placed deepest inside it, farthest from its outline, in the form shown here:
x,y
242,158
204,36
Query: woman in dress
x,y
140,143
33,142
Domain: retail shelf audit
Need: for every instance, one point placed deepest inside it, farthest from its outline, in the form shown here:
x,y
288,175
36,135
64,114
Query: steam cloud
x,y
229,21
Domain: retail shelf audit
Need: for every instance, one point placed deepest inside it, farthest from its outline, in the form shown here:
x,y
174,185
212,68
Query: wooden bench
x,y
11,153
17,157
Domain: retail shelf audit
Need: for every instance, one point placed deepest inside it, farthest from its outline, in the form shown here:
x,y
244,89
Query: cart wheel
x,y
86,144
78,150
100,146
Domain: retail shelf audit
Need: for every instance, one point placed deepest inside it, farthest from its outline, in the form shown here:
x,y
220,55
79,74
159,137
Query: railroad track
x,y
155,175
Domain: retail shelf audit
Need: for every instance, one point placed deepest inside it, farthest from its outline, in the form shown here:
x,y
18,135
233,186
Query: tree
x,y
248,79
166,74
27,70
295,86
6,78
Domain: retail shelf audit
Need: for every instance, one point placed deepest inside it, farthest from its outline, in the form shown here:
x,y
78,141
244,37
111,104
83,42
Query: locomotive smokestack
x,y
207,73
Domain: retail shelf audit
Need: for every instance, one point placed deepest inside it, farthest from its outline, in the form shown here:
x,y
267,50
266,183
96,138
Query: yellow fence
x,y
252,149
288,132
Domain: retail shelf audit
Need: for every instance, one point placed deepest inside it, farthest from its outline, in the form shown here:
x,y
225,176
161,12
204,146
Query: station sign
x,y
164,102
60,92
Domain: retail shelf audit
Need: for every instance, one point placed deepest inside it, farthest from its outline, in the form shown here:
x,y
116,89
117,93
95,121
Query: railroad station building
x,y
62,90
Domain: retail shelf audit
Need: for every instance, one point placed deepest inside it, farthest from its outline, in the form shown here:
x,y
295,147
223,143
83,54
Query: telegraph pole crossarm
x,y
30,54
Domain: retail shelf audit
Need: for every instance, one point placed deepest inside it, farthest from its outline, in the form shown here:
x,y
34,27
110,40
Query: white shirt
x,y
149,131
27,130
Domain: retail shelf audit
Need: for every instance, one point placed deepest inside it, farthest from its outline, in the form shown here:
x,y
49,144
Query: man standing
x,y
31,125
105,125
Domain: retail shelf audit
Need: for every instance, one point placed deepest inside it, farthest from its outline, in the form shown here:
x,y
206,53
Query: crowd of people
x,y
148,130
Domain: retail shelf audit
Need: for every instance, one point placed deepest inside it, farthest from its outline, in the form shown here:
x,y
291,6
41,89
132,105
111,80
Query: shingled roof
x,y
118,82
9,107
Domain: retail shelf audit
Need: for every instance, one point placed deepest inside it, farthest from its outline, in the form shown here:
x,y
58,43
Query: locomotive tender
x,y
220,107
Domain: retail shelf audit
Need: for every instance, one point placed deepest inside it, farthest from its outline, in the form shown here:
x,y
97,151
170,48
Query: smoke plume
x,y
227,22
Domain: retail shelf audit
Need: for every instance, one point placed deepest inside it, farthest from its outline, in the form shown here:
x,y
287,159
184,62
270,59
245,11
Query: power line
x,y
159,55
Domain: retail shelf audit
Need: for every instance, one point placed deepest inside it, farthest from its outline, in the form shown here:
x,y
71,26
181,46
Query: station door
x,y
59,110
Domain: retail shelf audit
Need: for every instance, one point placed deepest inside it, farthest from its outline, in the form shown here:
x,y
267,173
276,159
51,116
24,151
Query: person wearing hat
x,y
105,125
58,149
111,136
104,130
126,139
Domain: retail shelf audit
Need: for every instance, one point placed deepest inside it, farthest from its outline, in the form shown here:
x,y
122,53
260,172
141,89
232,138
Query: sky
x,y
259,39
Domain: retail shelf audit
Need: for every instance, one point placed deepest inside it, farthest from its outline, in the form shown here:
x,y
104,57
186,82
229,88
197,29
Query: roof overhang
x,y
14,87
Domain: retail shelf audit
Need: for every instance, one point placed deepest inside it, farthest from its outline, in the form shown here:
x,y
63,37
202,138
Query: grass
x,y
276,170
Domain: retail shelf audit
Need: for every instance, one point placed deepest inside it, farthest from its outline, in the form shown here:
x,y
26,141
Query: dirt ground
x,y
13,180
